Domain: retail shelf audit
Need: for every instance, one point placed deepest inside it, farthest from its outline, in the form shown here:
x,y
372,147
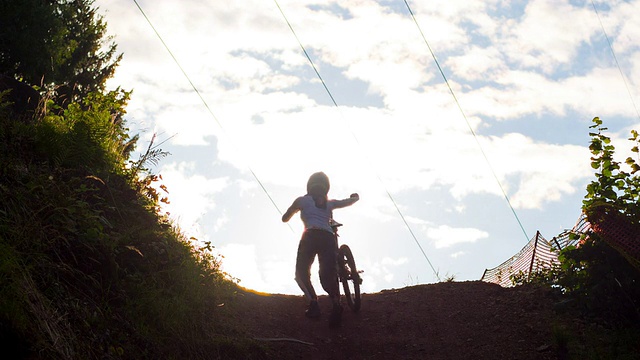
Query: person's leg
x,y
328,266
329,275
304,260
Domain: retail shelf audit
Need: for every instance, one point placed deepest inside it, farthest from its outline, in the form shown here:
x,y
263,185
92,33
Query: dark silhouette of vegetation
x,y
57,45
599,279
88,266
89,269
600,273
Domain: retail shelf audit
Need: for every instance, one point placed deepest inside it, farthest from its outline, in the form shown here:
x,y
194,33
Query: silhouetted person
x,y
318,238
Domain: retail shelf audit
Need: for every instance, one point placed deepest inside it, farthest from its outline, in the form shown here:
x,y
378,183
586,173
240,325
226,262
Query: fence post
x,y
533,256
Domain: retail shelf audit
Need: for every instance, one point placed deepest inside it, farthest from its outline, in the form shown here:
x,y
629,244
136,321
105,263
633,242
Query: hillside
x,y
90,268
453,320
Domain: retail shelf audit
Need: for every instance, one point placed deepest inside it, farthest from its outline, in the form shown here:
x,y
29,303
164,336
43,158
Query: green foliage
x,y
598,281
89,133
58,44
88,267
543,274
144,183
613,187
602,283
597,277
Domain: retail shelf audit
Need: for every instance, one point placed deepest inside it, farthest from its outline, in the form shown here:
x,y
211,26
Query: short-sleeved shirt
x,y
314,217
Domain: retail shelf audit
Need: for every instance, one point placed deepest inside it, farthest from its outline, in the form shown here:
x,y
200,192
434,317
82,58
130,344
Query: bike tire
x,y
350,278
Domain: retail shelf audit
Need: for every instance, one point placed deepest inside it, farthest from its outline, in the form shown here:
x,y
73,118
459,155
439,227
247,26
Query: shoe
x,y
336,316
313,311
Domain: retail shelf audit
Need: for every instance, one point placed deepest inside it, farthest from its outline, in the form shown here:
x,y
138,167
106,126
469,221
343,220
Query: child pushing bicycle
x,y
318,238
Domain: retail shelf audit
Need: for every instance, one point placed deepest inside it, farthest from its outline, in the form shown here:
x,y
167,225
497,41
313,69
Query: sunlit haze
x,y
431,160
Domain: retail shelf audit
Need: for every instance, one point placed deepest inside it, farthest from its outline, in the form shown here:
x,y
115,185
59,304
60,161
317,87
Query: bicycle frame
x,y
348,274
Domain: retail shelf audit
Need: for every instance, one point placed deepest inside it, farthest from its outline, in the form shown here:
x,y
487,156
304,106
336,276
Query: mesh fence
x,y
537,254
618,231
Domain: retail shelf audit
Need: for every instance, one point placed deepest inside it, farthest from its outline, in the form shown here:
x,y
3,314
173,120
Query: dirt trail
x,y
454,320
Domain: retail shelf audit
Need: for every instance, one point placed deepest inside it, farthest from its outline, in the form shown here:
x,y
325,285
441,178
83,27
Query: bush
x,y
601,274
88,267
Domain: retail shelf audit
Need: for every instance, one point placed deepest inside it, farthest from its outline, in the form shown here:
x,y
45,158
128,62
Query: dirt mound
x,y
453,320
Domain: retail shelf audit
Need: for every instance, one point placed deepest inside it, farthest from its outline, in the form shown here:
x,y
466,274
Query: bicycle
x,y
348,274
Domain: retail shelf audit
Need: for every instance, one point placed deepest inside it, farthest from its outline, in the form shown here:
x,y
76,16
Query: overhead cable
x,y
455,98
624,79
195,89
397,208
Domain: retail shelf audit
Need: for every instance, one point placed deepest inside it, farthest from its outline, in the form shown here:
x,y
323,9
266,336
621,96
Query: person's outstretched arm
x,y
346,202
294,208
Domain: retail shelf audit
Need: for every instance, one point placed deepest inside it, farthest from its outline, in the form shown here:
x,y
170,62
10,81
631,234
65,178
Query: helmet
x,y
320,180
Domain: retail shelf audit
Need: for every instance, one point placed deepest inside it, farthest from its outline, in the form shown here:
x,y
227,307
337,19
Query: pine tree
x,y
56,44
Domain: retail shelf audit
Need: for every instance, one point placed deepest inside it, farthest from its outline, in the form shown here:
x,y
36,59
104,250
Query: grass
x,y
90,269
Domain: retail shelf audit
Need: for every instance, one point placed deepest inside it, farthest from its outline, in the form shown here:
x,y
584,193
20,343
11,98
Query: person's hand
x,y
355,195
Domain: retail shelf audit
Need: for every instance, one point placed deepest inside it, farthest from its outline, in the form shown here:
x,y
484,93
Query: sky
x,y
454,176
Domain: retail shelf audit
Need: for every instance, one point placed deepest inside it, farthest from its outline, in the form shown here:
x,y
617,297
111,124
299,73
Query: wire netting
x,y
539,253
618,231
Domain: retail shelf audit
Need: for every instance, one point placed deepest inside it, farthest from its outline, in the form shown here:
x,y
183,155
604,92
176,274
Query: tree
x,y
612,203
603,273
56,44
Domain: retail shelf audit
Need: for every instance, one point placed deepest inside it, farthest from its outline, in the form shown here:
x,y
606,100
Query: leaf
x,y
610,194
133,248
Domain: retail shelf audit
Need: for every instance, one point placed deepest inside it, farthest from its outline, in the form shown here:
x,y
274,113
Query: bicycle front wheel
x,y
350,278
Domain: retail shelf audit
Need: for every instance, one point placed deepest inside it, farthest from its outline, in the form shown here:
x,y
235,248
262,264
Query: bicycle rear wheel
x,y
350,278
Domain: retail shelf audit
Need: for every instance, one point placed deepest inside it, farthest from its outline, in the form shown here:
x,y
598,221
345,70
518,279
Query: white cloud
x,y
190,195
394,262
221,221
544,39
446,236
546,171
477,63
401,132
622,26
374,271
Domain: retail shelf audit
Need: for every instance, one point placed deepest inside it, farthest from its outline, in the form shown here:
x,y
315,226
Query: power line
x,y
205,103
178,64
404,220
306,54
475,137
624,79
